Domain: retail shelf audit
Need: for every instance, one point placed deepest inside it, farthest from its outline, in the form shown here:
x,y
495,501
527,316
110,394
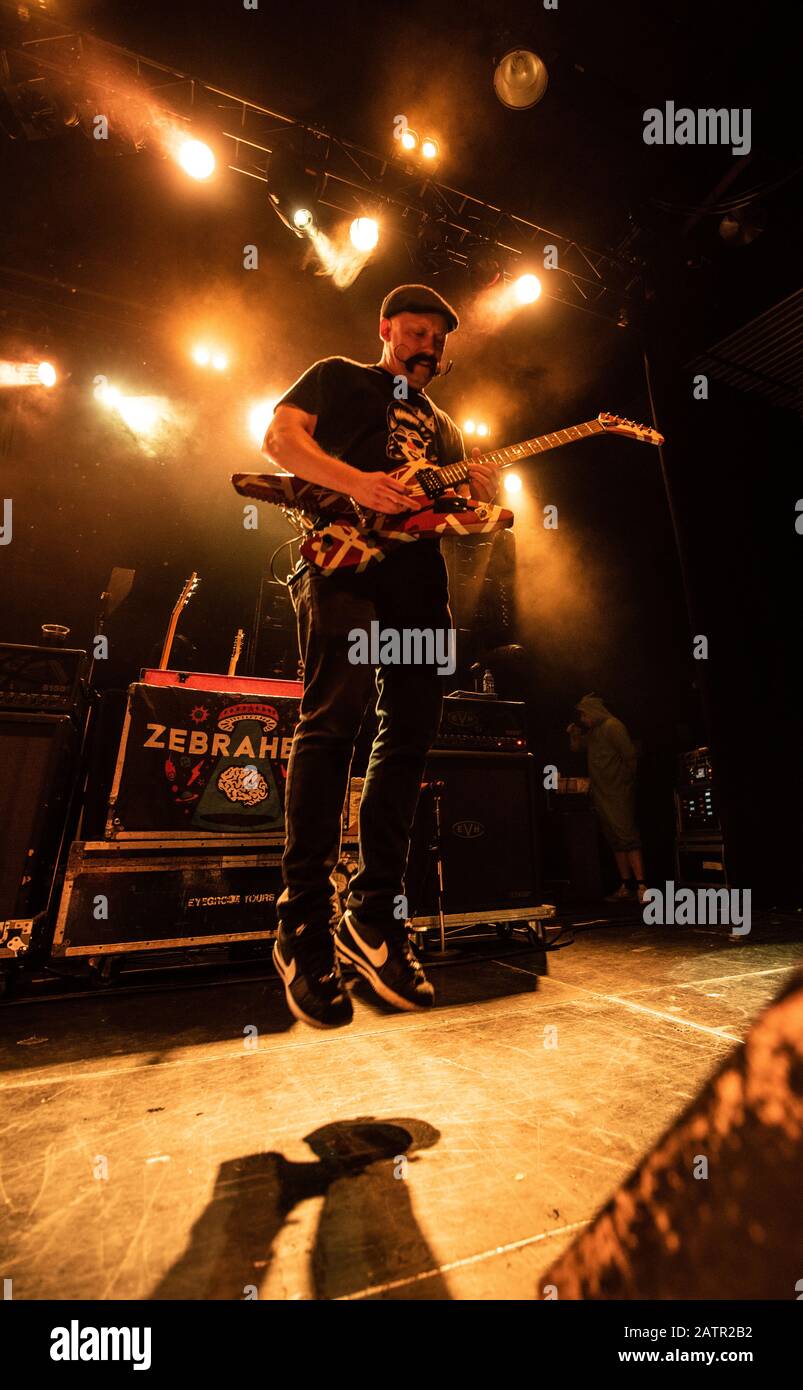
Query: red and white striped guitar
x,y
342,534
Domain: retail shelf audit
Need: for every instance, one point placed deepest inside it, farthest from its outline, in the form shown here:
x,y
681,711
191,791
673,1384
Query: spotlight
x,y
259,417
483,431
429,148
520,79
139,412
220,361
527,289
409,139
469,427
27,374
294,182
201,355
142,414
512,482
106,394
483,267
196,159
364,233
431,246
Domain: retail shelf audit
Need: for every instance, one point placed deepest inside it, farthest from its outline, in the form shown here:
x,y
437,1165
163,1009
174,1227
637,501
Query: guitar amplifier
x,y
38,768
482,723
203,761
43,679
490,848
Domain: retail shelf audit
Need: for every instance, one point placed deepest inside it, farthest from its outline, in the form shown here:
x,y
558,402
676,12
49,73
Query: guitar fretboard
x,y
513,453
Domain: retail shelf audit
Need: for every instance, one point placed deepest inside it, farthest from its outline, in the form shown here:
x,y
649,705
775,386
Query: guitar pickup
x,y
427,478
450,504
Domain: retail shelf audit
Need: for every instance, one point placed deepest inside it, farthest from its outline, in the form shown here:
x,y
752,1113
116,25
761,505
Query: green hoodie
x,y
611,755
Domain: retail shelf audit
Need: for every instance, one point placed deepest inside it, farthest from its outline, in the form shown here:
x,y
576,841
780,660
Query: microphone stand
x,y
436,850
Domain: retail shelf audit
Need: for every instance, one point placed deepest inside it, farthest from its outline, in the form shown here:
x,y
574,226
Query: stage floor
x,y
154,1145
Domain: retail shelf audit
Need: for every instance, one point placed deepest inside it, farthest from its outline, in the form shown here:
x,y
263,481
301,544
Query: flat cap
x,y
418,299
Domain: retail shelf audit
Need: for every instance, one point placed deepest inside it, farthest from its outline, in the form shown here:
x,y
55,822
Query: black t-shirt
x,y
361,421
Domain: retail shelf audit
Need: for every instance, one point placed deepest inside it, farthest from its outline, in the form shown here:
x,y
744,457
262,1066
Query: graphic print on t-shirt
x,y
411,434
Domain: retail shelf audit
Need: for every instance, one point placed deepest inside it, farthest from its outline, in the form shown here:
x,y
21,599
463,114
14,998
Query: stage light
x,y
512,483
220,361
259,417
139,412
484,267
429,148
527,289
196,159
142,414
469,427
483,431
294,181
409,139
27,374
106,394
520,79
364,233
201,355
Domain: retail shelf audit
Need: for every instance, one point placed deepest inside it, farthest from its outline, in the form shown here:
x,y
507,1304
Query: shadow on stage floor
x,y
188,1140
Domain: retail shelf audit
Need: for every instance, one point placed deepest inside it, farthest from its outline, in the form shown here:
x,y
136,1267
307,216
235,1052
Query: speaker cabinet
x,y
38,756
488,835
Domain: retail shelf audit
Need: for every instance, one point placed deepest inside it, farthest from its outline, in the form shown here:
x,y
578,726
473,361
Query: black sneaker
x,y
386,962
312,983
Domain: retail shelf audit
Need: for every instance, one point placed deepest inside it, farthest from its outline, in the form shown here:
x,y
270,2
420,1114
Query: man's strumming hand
x,y
380,492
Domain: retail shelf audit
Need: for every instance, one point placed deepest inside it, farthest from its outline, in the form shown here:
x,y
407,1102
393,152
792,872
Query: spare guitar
x,y
236,652
184,597
341,534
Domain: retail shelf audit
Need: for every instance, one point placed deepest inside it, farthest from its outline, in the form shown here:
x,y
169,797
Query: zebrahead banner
x,y
202,761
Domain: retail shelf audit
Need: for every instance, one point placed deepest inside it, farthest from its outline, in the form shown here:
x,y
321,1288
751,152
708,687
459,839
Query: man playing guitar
x,y
344,425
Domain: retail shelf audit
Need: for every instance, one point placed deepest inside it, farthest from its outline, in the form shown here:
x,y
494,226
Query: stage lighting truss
x,y
337,174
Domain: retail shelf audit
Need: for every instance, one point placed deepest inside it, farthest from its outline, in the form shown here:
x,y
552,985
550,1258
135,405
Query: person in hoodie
x,y
612,772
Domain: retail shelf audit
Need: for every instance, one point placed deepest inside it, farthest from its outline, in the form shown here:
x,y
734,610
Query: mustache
x,y
420,359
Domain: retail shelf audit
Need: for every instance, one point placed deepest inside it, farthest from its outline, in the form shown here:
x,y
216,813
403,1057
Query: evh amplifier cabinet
x,y
197,763
489,836
121,898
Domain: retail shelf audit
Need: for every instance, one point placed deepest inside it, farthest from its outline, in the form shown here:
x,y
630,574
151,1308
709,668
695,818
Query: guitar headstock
x,y
615,424
187,592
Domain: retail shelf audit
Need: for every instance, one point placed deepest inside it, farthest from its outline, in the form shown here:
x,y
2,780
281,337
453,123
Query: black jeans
x,y
408,589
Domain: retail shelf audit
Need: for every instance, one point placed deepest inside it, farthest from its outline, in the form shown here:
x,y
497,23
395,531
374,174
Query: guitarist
x,y
346,426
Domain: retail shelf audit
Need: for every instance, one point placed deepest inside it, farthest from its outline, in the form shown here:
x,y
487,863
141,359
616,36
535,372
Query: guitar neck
x,y
168,643
514,453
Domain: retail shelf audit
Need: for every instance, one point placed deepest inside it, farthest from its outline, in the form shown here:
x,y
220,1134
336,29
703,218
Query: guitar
x,y
342,534
236,652
186,594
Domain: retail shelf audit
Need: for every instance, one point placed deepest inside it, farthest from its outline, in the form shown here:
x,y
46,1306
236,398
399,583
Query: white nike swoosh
x,y
376,955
